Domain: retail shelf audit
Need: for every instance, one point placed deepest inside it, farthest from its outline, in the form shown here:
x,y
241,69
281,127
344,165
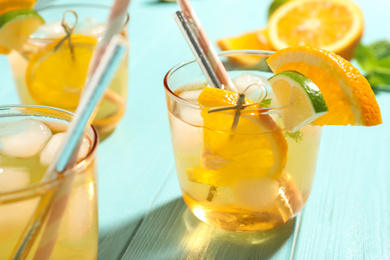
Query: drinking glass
x,y
253,177
25,194
52,74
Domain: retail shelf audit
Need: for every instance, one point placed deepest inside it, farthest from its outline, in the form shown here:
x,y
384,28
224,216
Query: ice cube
x,y
186,138
185,126
49,30
191,95
13,178
258,89
256,193
24,138
52,146
90,26
55,30
187,113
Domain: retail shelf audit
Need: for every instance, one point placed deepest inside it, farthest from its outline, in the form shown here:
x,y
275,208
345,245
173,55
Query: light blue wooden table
x,y
141,213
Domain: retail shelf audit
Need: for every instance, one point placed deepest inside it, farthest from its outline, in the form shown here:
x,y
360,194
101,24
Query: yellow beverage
x,y
251,178
23,193
52,75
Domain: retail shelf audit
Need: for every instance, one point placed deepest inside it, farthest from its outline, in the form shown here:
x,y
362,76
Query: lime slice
x,y
302,99
16,26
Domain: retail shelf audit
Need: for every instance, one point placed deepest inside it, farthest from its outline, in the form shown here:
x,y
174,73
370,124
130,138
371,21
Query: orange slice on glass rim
x,y
255,148
56,78
334,25
347,93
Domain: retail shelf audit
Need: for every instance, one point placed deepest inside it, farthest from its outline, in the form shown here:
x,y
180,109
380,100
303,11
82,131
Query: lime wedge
x,y
16,26
301,98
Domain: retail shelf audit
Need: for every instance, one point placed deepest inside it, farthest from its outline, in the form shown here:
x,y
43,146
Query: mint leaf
x,y
384,63
265,103
296,136
381,49
366,57
375,61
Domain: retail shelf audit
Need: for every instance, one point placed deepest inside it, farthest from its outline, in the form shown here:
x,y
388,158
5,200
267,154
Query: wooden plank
x,y
348,212
171,231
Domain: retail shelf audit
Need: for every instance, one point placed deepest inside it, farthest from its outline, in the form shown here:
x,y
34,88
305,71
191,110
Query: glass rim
x,y
182,64
75,5
53,181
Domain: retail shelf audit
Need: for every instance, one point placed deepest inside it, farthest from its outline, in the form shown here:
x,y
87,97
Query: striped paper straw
x,y
208,49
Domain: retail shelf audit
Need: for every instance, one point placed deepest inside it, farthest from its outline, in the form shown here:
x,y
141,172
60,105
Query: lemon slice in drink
x,y
16,26
56,78
254,149
302,99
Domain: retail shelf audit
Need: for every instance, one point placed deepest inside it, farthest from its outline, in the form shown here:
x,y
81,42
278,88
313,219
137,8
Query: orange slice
x,y
4,50
56,78
334,25
7,5
256,40
255,148
347,93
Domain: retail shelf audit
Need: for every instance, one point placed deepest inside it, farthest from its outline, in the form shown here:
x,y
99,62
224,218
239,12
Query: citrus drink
x,y
29,137
251,177
53,74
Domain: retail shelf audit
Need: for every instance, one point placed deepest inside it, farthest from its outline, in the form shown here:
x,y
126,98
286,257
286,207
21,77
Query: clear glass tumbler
x,y
251,178
25,194
51,74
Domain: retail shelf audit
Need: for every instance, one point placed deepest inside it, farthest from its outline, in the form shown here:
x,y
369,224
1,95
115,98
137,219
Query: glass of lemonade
x,y
253,177
49,74
29,137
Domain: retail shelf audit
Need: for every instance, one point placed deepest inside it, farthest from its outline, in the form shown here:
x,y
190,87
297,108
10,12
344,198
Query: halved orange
x,y
255,40
334,25
347,93
255,148
56,78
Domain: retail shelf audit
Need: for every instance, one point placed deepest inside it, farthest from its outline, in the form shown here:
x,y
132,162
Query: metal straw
x,y
196,49
204,42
